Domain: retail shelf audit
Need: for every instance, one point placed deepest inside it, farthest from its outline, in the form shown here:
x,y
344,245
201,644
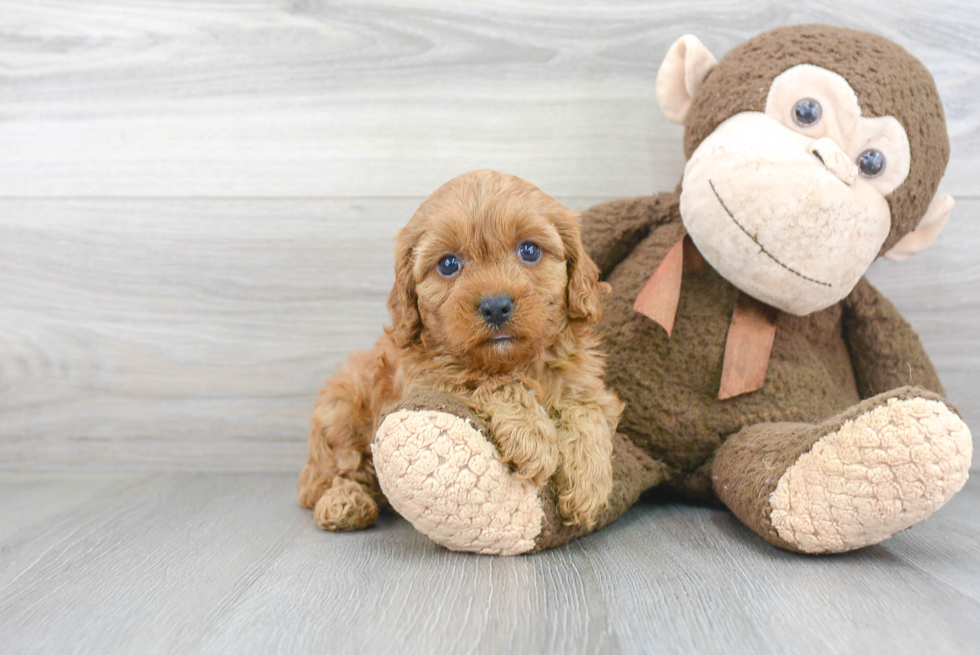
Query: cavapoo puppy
x,y
493,302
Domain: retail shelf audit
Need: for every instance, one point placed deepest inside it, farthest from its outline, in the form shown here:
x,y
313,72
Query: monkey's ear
x,y
925,232
686,65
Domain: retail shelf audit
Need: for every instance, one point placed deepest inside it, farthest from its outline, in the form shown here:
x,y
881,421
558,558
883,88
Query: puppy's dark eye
x,y
529,252
807,112
449,266
871,163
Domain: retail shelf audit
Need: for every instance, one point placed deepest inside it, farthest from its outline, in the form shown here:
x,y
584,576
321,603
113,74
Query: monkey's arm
x,y
885,351
612,229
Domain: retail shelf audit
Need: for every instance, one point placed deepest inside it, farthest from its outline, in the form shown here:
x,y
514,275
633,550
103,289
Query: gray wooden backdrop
x,y
197,199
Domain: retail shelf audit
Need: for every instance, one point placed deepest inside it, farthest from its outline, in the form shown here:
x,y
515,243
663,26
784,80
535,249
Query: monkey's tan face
x,y
789,205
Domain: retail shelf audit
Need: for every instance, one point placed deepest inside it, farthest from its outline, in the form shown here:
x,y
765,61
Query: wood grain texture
x,y
388,98
226,563
193,334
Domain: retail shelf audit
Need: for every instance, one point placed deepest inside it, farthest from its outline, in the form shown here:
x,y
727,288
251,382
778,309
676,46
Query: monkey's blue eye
x,y
807,112
871,163
529,252
449,266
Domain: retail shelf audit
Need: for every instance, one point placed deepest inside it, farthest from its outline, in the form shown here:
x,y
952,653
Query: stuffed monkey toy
x,y
758,366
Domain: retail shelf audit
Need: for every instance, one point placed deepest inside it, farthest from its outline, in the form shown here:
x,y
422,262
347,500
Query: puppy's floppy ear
x,y
406,323
585,291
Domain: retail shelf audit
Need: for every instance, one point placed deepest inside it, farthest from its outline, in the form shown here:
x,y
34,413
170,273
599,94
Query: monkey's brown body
x,y
682,422
670,384
809,374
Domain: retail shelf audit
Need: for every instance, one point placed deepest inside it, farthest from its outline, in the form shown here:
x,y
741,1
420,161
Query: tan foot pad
x,y
878,474
442,475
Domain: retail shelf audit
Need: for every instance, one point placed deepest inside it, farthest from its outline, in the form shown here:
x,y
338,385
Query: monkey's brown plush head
x,y
811,150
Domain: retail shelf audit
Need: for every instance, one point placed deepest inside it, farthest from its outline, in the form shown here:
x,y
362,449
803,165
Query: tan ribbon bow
x,y
750,334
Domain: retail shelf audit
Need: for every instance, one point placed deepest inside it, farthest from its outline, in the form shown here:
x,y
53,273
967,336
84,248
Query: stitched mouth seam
x,y
756,241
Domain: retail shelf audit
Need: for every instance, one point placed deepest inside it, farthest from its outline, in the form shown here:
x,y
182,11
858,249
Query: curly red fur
x,y
540,390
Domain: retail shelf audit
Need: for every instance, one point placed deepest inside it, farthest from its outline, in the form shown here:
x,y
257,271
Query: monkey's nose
x,y
495,310
827,151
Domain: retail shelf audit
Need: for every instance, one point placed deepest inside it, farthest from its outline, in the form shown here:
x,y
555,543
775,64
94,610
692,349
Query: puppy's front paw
x,y
581,501
528,443
532,458
585,479
523,432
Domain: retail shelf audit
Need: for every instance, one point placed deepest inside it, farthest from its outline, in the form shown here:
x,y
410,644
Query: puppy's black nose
x,y
495,310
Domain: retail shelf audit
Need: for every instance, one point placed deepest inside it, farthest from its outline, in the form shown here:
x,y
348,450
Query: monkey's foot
x,y
440,473
878,473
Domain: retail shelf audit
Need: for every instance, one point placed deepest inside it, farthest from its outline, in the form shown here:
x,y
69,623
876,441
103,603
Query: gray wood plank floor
x,y
226,563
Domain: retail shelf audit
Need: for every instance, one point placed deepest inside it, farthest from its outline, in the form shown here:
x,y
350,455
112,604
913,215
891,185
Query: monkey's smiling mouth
x,y
756,241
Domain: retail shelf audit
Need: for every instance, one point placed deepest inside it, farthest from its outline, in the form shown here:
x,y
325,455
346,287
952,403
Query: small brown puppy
x,y
494,299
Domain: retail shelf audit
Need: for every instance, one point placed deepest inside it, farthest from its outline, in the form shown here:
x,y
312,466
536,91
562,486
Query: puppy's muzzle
x,y
496,310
